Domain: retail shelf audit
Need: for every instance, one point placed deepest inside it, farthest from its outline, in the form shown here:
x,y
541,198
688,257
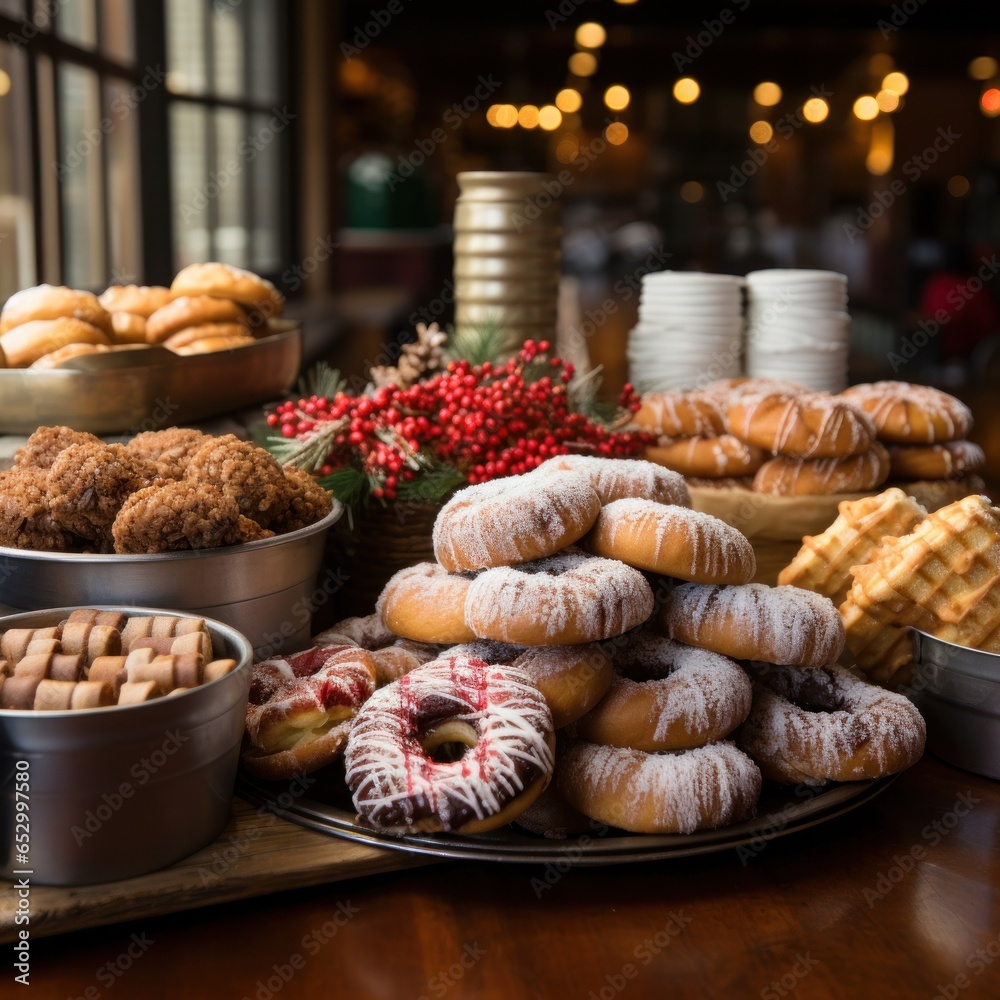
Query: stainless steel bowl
x,y
957,690
117,792
268,589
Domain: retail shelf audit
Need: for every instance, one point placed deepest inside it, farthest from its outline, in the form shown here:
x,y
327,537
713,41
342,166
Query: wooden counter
x,y
900,898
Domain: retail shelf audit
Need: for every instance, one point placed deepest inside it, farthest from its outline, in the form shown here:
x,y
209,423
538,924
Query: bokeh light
x,y
687,90
767,94
990,102
569,100
815,110
896,81
866,108
958,186
549,118
692,192
583,64
983,68
761,132
616,133
590,35
506,116
527,117
617,97
887,100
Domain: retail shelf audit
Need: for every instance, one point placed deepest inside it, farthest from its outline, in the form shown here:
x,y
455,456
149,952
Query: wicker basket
x,y
368,548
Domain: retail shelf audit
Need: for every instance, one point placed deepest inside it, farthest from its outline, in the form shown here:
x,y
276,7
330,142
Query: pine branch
x,y
432,486
486,341
349,485
321,380
308,454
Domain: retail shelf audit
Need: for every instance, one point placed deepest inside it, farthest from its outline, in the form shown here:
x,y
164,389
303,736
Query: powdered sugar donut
x,y
681,414
513,520
563,600
905,413
718,457
617,478
802,424
301,706
426,603
667,696
673,541
755,622
818,724
571,678
673,792
401,762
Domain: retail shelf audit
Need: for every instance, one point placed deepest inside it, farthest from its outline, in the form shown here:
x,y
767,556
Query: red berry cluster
x,y
486,421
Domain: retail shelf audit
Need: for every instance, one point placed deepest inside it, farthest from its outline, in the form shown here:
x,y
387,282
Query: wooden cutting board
x,y
256,854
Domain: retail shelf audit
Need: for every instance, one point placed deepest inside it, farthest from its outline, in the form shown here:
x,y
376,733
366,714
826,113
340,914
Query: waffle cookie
x,y
942,578
824,562
883,652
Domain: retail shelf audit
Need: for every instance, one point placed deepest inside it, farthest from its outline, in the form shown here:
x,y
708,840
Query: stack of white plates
x,y
689,331
798,327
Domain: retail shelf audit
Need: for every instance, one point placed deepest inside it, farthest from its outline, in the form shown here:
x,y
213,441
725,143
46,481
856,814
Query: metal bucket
x,y
267,589
121,791
957,690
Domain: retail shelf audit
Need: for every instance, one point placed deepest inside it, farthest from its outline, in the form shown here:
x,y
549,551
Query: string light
x,y
549,118
815,110
569,100
583,64
692,192
527,117
989,102
887,100
761,132
866,108
616,133
767,94
617,97
958,186
590,35
896,81
983,68
506,116
687,90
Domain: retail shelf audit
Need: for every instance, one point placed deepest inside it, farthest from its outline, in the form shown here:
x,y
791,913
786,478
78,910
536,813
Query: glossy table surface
x,y
900,898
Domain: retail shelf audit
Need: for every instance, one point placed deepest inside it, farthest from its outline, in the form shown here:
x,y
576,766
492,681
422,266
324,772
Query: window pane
x,y
186,46
227,64
266,185
17,227
76,21
189,166
124,212
79,171
48,236
231,168
117,30
264,41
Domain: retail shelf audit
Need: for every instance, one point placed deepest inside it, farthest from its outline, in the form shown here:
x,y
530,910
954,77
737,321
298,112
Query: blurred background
x,y
318,143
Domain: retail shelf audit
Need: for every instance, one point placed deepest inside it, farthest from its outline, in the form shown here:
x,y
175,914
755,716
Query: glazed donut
x,y
905,413
755,622
802,424
730,483
781,476
617,478
208,338
949,460
393,655
567,599
680,414
681,792
192,311
30,341
513,520
726,391
301,707
224,281
426,603
67,353
718,457
400,762
572,679
817,724
139,300
667,696
673,541
50,302
128,328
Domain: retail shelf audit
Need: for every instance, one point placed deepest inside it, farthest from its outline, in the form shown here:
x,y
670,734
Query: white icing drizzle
x,y
681,414
599,597
782,624
681,789
717,549
895,404
783,476
396,784
503,521
615,478
816,723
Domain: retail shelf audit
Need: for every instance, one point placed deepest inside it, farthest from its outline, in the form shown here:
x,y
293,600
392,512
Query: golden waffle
x,y
883,652
824,562
942,578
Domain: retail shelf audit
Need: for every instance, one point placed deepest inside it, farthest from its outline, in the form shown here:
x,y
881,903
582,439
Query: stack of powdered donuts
x,y
586,647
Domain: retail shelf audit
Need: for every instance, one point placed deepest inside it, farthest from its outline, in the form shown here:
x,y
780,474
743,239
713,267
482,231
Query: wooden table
x,y
897,899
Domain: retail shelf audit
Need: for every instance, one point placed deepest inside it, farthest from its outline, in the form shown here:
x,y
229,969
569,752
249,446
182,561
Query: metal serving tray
x,y
148,388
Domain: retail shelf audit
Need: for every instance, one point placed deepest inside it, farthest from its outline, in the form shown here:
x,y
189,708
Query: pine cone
x,y
423,357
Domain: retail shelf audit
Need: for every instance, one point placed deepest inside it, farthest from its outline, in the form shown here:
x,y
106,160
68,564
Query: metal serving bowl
x,y
957,690
268,589
120,791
